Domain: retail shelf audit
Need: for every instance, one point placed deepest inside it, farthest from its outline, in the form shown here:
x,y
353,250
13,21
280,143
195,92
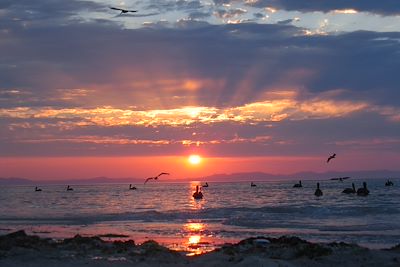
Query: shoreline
x,y
20,249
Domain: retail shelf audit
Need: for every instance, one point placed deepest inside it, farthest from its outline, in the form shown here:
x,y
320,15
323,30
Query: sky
x,y
256,85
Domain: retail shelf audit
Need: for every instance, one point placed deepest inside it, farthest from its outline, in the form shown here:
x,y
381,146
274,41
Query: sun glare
x,y
194,159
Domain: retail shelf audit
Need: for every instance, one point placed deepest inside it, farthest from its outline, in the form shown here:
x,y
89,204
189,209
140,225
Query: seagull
x,y
123,11
331,157
156,177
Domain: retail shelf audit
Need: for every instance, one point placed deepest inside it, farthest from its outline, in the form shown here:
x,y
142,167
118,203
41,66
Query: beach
x,y
20,249
199,133
228,213
234,224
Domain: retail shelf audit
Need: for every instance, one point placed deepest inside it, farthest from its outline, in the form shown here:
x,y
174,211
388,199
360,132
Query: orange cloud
x,y
280,106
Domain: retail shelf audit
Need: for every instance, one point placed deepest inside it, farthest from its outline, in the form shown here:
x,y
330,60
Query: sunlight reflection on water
x,y
228,212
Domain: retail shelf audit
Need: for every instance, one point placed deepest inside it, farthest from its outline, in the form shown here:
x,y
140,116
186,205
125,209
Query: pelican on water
x,y
132,187
155,177
298,185
318,191
350,190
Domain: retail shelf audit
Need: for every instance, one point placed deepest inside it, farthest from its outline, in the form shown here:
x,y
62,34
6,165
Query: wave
x,y
277,216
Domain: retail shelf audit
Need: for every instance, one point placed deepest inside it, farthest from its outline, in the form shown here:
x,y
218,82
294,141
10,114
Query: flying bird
x,y
155,177
123,11
331,157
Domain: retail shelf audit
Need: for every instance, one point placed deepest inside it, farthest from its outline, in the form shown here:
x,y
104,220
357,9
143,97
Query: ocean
x,y
229,212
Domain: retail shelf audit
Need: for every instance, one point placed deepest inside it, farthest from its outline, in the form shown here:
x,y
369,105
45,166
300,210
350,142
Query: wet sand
x,y
20,249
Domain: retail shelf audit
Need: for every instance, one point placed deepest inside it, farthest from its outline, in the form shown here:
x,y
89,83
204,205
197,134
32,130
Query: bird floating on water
x,y
37,189
132,187
205,185
298,185
350,190
198,194
253,184
363,191
331,157
69,188
389,183
155,177
318,192
123,11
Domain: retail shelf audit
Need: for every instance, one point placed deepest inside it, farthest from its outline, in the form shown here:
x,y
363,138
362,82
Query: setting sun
x,y
194,159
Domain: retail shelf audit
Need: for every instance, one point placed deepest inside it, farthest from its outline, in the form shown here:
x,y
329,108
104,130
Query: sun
x,y
194,159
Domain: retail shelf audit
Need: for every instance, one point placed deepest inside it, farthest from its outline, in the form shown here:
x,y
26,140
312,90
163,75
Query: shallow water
x,y
228,212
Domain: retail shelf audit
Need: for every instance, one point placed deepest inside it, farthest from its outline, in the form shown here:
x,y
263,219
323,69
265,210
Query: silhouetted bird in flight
x,y
156,177
331,157
123,11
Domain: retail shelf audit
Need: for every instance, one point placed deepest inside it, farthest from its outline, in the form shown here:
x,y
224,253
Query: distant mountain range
x,y
261,176
95,180
245,176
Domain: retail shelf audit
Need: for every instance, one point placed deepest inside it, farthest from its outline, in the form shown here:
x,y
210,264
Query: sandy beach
x,y
20,249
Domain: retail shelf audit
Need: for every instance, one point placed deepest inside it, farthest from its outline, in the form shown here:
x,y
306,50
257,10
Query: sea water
x,y
229,212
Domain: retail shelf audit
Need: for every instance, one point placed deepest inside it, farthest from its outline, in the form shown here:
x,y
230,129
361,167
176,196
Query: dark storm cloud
x,y
383,7
199,15
259,15
266,56
46,9
165,6
286,21
98,64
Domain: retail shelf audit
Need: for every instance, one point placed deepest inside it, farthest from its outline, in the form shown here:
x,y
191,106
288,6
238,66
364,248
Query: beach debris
x,y
18,248
22,240
287,248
